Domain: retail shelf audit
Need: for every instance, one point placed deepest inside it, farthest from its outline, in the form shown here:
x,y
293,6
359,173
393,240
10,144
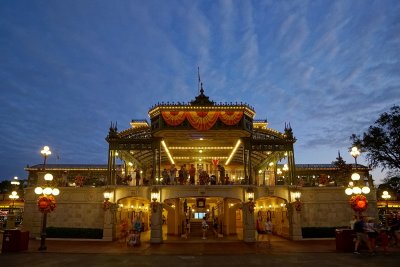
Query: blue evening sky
x,y
69,68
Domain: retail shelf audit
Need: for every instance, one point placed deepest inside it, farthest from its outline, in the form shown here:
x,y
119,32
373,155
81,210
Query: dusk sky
x,y
69,68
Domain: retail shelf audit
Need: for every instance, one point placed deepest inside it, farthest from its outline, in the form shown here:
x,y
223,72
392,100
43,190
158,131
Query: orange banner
x,y
202,120
173,118
230,117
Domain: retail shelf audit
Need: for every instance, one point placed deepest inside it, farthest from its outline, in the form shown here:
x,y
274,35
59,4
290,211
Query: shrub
x,y
318,232
65,232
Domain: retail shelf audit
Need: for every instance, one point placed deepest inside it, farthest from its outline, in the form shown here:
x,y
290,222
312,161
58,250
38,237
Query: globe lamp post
x,y
358,201
46,199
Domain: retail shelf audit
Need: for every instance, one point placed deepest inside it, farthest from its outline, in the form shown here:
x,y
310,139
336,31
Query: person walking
x,y
268,230
204,227
370,229
362,237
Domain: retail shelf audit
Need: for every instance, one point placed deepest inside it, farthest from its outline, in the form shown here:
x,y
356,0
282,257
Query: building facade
x,y
198,160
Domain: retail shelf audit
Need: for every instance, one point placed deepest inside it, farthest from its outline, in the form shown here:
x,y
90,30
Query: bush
x,y
318,232
64,232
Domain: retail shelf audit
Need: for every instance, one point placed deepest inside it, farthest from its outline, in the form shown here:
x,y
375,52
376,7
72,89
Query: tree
x,y
382,141
343,170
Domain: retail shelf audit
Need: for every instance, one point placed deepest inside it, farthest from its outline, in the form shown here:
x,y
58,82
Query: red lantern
x,y
43,205
358,203
361,204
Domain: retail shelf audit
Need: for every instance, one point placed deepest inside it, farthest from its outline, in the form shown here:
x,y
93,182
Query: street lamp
x,y
45,153
386,196
353,187
358,202
14,195
154,195
46,201
250,194
355,153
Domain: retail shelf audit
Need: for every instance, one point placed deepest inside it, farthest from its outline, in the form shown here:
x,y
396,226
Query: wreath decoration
x,y
46,204
252,205
358,203
106,205
298,205
154,206
79,180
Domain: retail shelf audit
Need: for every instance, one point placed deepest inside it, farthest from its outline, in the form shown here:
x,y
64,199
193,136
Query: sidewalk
x,y
189,247
194,245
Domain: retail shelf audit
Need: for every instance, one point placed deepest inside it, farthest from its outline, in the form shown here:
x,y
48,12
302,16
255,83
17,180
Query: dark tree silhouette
x,y
382,141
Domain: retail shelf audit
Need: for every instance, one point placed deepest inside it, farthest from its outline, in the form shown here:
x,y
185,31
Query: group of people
x,y
264,227
134,233
184,175
367,232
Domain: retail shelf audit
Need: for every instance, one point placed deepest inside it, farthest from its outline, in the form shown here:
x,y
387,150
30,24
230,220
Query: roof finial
x,y
199,81
201,89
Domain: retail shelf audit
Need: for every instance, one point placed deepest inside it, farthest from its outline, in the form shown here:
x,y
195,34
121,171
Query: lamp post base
x,y
43,233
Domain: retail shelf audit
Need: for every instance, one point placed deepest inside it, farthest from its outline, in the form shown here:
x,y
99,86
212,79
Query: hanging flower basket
x,y
46,204
358,203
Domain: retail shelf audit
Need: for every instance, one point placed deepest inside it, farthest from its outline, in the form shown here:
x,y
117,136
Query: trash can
x,y
344,240
15,240
24,241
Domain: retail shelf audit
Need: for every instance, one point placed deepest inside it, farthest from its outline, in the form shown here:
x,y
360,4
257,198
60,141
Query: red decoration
x,y
215,162
252,205
174,118
298,205
106,205
79,180
46,204
230,117
358,203
202,120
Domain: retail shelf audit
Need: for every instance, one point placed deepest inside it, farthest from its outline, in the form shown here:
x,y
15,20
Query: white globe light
x,y
48,177
357,190
355,177
348,191
56,191
38,190
366,190
47,191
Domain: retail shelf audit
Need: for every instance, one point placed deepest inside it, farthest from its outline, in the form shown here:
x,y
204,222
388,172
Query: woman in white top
x,y
268,230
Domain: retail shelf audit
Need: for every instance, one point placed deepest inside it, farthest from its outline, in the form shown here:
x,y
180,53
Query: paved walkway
x,y
194,252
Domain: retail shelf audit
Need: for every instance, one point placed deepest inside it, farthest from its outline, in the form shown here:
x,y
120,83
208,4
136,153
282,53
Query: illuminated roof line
x,y
200,147
233,152
167,151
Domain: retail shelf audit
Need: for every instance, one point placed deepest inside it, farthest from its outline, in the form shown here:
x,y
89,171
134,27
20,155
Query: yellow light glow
x,y
200,147
233,152
38,190
167,151
56,191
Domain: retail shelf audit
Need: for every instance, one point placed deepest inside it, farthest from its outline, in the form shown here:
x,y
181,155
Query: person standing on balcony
x,y
192,173
172,174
